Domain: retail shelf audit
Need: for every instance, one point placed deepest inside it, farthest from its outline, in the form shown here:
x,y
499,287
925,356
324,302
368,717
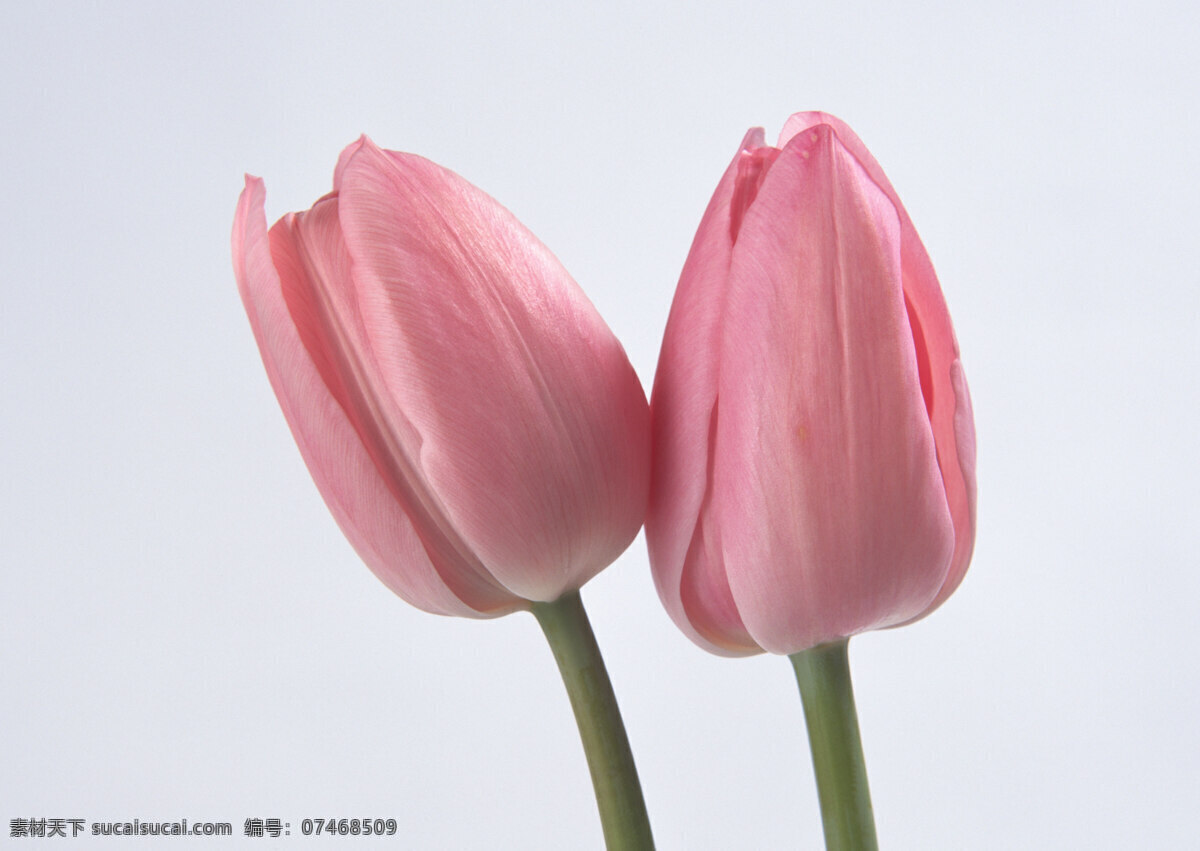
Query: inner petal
x,y
752,168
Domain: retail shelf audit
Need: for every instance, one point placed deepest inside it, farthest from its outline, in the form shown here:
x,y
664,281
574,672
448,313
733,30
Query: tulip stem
x,y
610,760
823,673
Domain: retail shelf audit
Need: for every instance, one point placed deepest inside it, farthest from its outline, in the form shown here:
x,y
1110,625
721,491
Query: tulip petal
x,y
827,489
964,443
344,472
685,554
318,289
531,424
943,381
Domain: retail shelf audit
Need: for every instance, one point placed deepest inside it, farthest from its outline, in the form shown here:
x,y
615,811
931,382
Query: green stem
x,y
610,760
823,673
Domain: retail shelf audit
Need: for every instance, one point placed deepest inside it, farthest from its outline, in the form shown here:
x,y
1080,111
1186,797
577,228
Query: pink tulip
x,y
474,426
814,468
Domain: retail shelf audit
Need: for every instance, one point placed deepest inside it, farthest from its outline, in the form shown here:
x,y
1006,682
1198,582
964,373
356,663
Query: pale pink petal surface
x,y
827,490
319,291
947,398
689,570
523,413
344,472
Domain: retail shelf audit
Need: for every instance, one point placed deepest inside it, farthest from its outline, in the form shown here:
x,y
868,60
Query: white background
x,y
186,634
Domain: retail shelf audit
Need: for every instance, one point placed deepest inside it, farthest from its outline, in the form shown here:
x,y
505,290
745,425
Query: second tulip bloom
x,y
814,467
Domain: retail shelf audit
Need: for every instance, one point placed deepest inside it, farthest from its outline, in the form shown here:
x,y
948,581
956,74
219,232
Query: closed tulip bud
x,y
814,447
472,423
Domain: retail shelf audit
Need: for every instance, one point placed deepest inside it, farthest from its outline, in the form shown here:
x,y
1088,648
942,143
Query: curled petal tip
x,y
366,143
755,138
345,157
252,186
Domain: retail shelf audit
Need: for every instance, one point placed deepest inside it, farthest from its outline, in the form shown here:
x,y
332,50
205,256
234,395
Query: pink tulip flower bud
x,y
814,447
472,423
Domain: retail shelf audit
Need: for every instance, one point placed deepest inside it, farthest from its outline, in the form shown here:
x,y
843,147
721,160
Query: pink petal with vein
x,y
524,417
345,473
829,498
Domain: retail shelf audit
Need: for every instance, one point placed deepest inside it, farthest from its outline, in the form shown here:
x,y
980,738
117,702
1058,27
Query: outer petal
x,y
828,494
685,553
318,289
532,426
343,470
946,394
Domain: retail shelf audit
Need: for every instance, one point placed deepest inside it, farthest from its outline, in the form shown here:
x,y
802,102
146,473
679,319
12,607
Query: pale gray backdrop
x,y
186,634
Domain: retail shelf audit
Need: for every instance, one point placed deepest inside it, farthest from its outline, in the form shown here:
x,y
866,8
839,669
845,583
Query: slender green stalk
x,y
610,760
823,673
